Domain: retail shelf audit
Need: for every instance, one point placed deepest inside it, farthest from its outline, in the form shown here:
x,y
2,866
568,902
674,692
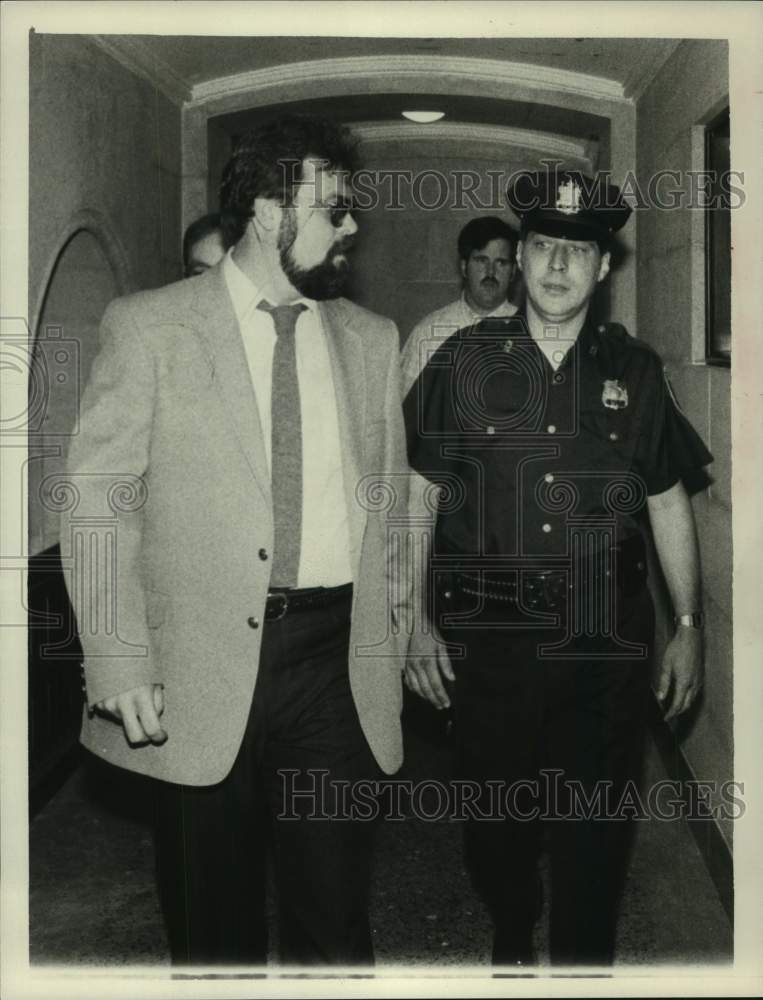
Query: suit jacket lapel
x,y
217,326
345,348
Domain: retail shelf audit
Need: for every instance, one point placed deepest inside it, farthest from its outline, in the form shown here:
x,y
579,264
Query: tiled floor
x,y
93,899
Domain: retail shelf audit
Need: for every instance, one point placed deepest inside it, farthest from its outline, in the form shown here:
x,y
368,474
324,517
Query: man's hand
x,y
138,710
425,668
682,673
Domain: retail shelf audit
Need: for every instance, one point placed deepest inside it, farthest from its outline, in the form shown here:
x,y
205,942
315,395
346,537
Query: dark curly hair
x,y
267,163
480,231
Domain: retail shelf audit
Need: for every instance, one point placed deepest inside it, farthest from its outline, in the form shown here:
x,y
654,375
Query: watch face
x,y
695,620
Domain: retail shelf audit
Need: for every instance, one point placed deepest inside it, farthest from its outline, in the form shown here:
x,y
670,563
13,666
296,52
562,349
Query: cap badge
x,y
568,197
614,395
507,345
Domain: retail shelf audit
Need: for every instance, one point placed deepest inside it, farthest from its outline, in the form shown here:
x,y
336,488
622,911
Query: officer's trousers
x,y
553,739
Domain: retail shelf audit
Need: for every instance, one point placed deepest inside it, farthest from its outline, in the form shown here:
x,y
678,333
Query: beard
x,y
323,281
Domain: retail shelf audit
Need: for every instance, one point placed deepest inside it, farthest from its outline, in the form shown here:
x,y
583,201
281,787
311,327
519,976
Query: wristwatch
x,y
695,620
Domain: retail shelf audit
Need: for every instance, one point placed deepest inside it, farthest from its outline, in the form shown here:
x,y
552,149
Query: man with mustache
x,y
257,667
486,248
557,443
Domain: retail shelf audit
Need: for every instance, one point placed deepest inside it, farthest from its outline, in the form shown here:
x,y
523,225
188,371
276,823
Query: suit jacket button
x,y
263,554
253,623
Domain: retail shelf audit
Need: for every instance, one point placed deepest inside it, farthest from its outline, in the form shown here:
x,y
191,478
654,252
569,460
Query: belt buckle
x,y
283,609
554,589
532,590
540,591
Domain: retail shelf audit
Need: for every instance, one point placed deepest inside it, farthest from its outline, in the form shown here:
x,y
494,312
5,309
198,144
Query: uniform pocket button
x,y
253,622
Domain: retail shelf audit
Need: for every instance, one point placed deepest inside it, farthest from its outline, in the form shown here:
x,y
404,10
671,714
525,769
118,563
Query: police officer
x,y
555,443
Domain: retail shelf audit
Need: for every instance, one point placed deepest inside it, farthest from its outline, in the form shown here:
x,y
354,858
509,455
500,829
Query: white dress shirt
x,y
434,329
325,546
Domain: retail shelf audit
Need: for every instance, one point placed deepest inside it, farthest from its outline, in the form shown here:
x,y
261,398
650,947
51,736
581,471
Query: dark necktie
x,y
286,447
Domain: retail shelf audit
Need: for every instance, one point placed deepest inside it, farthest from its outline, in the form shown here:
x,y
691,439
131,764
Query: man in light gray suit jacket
x,y
242,628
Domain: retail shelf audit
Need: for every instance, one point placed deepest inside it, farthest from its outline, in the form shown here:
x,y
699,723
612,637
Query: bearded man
x,y
256,665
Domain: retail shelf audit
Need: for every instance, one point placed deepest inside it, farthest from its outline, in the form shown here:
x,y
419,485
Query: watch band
x,y
694,620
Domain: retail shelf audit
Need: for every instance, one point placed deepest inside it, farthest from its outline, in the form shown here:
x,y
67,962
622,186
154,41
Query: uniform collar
x,y
589,336
588,344
588,341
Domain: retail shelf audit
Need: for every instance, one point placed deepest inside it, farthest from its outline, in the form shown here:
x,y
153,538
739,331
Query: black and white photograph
x,y
381,489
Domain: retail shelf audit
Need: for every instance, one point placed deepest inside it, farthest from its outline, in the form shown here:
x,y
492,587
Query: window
x,y
718,243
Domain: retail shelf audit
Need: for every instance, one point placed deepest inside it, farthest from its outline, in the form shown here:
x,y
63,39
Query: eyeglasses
x,y
337,211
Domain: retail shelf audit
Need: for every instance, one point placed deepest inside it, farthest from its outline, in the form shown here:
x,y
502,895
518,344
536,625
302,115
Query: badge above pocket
x,y
614,394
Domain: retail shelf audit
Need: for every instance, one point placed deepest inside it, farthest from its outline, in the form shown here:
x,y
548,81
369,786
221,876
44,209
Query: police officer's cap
x,y
567,204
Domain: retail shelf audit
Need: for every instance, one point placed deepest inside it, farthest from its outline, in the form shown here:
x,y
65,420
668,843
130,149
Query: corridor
x,y
107,217
93,900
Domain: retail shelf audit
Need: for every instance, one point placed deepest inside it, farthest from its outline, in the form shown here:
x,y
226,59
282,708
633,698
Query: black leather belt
x,y
546,590
539,591
286,600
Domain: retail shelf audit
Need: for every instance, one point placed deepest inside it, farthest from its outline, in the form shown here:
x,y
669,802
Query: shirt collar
x,y
245,295
499,310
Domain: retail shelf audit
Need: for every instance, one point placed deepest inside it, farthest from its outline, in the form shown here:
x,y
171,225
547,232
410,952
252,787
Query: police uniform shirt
x,y
524,454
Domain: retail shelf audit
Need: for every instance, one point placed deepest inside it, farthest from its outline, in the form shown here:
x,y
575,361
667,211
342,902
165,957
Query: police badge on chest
x,y
614,395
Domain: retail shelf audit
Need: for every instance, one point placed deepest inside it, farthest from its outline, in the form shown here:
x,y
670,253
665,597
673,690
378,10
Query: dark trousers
x,y
212,841
527,721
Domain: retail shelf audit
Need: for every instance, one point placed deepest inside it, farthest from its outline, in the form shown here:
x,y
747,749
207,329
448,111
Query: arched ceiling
x,y
551,96
385,107
490,123
192,63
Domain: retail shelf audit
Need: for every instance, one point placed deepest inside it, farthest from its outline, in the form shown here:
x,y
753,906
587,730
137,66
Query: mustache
x,y
344,245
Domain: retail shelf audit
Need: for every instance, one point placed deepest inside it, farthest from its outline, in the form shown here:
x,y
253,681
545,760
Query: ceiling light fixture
x,y
423,117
